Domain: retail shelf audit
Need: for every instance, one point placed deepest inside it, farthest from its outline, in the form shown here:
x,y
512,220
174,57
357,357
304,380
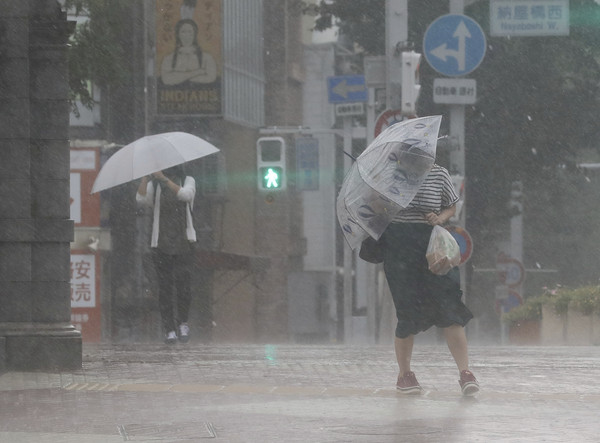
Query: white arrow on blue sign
x,y
454,45
347,89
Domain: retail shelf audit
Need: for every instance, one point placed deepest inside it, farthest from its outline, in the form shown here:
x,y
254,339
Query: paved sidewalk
x,y
191,393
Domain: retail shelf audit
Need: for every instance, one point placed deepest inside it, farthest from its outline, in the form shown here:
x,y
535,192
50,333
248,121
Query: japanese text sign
x,y
529,17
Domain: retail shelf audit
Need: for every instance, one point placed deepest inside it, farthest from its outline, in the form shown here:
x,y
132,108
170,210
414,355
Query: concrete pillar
x,y
35,229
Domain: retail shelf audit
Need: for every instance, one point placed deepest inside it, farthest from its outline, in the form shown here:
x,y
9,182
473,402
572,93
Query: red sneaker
x,y
408,384
468,383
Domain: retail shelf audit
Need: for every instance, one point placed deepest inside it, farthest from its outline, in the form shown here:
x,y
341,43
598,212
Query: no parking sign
x,y
510,271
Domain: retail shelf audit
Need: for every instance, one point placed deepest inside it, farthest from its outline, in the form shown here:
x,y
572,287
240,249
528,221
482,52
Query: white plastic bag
x,y
443,253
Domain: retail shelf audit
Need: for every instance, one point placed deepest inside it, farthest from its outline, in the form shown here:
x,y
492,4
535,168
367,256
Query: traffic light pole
x,y
348,252
345,308
396,36
457,156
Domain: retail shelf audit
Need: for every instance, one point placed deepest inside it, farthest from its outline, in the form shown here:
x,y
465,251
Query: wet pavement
x,y
296,393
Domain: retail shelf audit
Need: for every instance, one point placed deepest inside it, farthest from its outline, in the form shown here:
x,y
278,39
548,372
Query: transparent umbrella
x,y
361,210
386,177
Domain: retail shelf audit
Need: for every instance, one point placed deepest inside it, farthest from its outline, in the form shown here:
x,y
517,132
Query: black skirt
x,y
421,298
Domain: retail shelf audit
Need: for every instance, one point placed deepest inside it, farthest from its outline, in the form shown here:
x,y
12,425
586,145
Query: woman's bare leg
x,y
457,343
404,348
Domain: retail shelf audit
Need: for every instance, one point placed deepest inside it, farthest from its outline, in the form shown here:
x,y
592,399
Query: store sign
x,y
189,57
83,159
85,295
83,281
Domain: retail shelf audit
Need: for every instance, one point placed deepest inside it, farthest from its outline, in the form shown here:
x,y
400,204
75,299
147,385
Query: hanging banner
x,y
188,57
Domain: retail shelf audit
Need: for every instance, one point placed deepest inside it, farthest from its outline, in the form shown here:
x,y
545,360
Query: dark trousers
x,y
173,273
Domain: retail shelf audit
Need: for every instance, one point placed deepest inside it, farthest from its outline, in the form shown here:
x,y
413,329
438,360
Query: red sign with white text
x,y
85,264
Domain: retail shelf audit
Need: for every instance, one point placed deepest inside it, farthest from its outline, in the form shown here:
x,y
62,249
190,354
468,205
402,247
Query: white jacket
x,y
152,199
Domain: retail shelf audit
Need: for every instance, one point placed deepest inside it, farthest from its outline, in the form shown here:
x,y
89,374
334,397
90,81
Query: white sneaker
x,y
171,337
184,332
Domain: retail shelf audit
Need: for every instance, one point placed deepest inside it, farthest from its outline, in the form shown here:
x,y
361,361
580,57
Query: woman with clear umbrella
x,y
395,193
423,299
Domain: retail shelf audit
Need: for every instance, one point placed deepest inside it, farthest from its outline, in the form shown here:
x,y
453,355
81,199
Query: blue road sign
x,y
347,89
454,45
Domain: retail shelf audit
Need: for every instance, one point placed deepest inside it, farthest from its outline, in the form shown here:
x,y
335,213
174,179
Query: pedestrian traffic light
x,y
270,164
410,82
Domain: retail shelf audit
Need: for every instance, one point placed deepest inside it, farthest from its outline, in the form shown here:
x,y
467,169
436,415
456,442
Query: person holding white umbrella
x,y
171,195
157,160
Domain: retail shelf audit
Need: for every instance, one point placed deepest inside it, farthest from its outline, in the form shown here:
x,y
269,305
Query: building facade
x,y
249,241
35,331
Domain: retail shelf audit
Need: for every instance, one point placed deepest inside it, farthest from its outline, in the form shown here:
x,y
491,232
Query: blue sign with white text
x,y
347,89
454,45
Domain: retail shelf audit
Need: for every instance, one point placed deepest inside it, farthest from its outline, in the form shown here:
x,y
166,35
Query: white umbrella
x,y
150,154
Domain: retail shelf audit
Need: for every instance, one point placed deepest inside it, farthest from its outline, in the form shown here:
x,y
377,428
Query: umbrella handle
x,y
350,155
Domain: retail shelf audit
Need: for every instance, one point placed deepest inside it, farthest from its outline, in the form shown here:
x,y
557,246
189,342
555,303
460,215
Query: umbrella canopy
x,y
353,232
386,177
397,162
361,210
150,154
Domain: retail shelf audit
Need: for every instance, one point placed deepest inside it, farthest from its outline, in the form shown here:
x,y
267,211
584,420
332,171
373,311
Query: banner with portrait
x,y
188,57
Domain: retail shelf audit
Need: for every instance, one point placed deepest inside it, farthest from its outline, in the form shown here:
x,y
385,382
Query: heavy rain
x,y
299,220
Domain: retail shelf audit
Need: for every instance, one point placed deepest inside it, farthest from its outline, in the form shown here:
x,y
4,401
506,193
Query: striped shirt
x,y
436,193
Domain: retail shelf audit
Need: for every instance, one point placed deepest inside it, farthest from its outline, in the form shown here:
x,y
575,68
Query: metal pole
x,y
457,157
516,241
396,36
348,253
457,161
457,133
370,271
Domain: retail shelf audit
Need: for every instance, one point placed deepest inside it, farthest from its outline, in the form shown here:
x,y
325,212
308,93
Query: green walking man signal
x,y
272,177
270,163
